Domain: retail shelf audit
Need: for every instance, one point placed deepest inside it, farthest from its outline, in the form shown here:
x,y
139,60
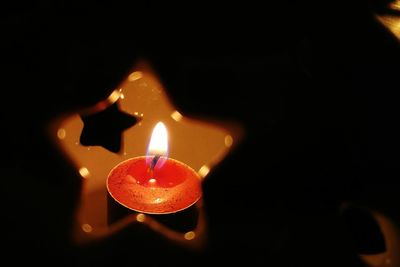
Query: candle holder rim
x,y
145,157
150,212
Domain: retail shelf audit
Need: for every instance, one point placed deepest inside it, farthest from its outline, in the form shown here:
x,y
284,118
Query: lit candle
x,y
154,183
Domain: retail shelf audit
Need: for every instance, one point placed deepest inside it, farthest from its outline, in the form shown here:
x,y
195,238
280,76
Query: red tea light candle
x,y
154,184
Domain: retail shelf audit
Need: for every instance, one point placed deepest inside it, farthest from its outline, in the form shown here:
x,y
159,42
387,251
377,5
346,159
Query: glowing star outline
x,y
199,144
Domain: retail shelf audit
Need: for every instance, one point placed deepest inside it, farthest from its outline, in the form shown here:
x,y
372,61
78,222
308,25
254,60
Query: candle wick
x,y
154,162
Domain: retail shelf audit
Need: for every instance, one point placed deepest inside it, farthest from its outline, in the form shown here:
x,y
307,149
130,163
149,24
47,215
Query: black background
x,y
313,84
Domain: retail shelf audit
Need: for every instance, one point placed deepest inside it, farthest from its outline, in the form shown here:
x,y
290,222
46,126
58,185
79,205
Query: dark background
x,y
313,84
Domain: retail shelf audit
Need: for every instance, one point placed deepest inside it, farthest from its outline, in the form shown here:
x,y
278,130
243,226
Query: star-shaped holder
x,y
199,144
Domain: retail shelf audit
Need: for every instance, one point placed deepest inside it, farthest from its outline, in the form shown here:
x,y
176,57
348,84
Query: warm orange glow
x,y
391,21
84,172
87,228
228,141
61,133
114,96
135,76
204,170
395,5
140,217
199,144
159,140
190,235
176,115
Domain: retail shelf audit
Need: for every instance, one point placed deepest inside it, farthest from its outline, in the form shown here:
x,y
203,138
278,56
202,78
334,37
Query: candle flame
x,y
159,141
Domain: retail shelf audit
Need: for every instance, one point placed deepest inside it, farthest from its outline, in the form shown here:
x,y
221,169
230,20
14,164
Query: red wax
x,y
171,187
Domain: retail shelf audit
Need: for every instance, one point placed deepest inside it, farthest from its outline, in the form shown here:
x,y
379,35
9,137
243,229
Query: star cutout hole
x,y
105,128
